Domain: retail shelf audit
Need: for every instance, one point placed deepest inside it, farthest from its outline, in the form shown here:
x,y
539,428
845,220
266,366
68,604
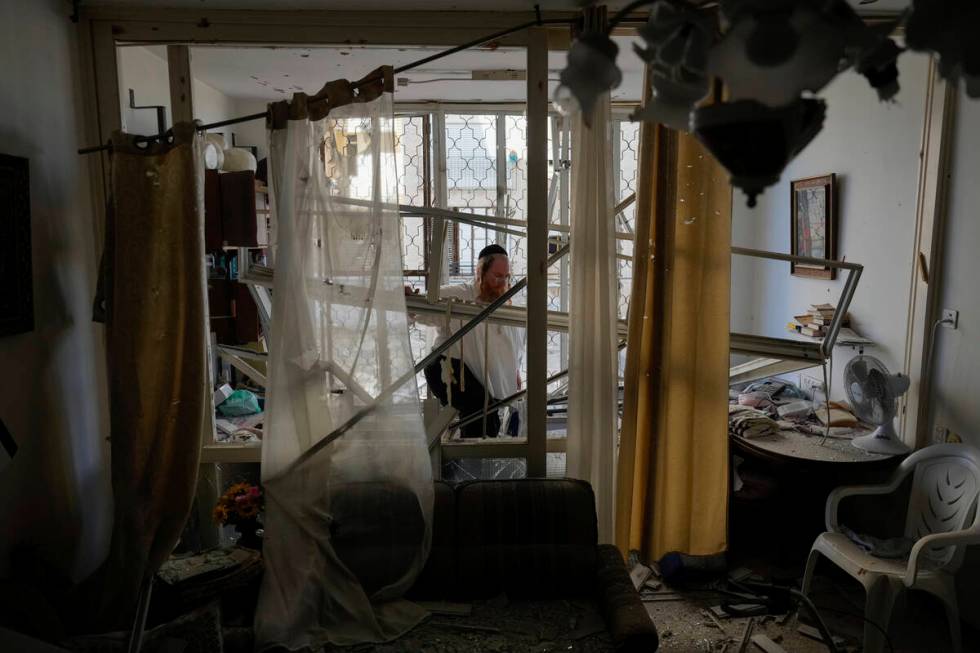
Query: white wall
x,y
253,132
956,366
54,496
874,149
145,71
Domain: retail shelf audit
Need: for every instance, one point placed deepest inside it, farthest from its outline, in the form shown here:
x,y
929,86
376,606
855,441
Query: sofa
x,y
530,539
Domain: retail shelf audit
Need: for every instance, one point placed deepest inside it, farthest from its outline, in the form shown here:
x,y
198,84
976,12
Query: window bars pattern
x,y
627,144
411,152
486,174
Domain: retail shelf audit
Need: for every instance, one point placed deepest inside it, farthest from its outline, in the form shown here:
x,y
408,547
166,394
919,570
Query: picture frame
x,y
17,300
813,224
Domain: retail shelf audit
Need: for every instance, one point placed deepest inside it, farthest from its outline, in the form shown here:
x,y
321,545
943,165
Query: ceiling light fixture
x,y
591,69
947,28
677,39
771,54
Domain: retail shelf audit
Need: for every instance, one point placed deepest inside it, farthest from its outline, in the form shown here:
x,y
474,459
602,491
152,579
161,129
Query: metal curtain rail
x,y
515,316
854,271
409,66
421,365
491,221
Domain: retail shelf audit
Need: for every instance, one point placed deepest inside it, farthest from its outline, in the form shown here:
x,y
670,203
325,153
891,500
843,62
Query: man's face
x,y
497,278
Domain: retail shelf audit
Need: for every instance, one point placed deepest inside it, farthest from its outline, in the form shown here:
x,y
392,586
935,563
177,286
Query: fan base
x,y
876,443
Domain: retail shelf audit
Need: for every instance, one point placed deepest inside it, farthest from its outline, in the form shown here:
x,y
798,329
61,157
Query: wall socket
x,y
812,386
954,316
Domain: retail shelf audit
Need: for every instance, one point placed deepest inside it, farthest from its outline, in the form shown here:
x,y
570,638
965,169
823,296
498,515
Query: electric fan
x,y
874,392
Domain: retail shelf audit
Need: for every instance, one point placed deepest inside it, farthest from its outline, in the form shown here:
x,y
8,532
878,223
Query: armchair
x,y
942,518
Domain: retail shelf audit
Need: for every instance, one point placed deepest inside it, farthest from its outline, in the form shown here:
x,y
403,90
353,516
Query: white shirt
x,y
504,343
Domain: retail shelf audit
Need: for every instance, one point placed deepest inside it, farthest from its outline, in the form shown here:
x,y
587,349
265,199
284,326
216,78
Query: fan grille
x,y
867,388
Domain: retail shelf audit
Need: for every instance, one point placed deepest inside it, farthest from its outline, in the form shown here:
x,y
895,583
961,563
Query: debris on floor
x,y
503,626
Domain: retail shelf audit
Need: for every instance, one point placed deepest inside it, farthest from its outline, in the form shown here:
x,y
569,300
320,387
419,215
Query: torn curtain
x,y
154,302
672,483
593,376
338,559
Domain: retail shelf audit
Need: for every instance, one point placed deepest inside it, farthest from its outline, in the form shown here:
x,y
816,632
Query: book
x,y
823,308
815,332
825,322
804,319
821,315
839,415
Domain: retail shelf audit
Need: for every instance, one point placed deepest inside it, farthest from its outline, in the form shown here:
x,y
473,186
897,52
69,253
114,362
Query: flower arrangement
x,y
241,503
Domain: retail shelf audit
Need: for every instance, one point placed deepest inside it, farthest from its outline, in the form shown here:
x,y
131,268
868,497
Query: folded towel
x,y
891,548
746,422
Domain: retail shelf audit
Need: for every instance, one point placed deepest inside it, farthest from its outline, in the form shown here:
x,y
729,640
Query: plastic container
x,y
798,410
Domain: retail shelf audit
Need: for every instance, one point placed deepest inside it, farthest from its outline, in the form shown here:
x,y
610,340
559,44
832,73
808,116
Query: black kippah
x,y
492,249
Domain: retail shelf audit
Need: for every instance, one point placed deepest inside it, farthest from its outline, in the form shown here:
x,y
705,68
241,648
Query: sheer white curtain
x,y
339,338
592,361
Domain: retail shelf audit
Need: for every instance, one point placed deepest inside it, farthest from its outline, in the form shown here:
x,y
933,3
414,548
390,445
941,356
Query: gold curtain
x,y
672,477
153,287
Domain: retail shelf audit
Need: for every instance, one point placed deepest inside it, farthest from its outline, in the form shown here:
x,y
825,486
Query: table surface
x,y
793,444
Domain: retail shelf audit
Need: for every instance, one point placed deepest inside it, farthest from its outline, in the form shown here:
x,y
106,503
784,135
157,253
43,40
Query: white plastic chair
x,y
942,518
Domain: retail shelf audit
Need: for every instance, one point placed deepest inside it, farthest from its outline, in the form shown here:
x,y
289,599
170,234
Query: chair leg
x,y
953,616
811,565
880,602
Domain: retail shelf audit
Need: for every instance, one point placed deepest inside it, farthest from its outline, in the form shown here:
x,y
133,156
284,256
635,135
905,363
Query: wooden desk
x,y
787,477
791,446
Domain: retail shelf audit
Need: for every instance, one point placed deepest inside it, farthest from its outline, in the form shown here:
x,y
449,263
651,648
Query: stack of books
x,y
814,322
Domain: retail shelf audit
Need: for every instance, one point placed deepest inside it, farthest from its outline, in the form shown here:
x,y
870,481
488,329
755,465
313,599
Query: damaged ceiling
x,y
865,6
275,73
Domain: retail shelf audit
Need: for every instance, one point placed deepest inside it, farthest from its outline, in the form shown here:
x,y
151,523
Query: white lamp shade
x,y
236,160
214,156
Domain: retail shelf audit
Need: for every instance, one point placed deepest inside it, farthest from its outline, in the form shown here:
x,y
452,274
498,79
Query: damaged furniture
x,y
531,539
941,521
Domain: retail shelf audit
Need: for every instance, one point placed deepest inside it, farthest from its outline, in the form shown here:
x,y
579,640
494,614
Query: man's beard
x,y
488,294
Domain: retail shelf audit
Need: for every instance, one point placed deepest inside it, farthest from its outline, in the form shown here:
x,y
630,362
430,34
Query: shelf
x,y
847,337
232,452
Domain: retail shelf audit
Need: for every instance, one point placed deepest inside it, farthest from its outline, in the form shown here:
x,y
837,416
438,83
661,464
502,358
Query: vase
x,y
248,534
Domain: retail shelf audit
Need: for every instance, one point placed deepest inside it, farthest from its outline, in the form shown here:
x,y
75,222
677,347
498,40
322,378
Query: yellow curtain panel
x,y
154,292
673,478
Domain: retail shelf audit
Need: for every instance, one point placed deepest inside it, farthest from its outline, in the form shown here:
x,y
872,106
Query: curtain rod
x,y
409,66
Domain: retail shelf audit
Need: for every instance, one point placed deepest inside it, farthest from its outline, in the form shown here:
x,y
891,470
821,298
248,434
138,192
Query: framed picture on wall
x,y
17,298
813,224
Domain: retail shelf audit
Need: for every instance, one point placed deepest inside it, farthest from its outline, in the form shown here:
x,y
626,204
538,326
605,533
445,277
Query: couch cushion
x,y
533,538
437,580
376,531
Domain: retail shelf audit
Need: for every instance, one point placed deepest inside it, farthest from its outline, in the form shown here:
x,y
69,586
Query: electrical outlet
x,y
811,386
953,318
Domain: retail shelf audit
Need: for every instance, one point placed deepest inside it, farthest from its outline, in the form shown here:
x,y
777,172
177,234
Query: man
x,y
460,376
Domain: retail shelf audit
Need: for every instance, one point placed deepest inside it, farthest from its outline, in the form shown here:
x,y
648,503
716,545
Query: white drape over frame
x,y
339,337
592,359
